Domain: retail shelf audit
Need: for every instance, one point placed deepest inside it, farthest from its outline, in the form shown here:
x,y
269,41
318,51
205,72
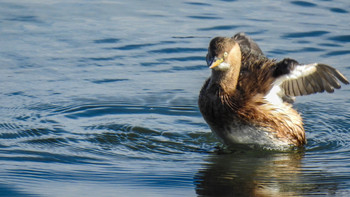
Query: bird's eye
x,y
225,54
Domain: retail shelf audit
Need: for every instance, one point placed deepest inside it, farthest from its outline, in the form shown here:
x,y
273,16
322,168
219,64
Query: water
x,y
99,98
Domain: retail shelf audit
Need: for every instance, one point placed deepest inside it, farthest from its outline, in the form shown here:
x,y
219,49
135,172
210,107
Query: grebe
x,y
248,98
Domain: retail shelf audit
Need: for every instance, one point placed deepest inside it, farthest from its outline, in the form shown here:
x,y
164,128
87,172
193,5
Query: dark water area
x,y
99,98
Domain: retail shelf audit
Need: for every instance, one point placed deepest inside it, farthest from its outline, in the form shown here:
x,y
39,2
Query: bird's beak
x,y
216,63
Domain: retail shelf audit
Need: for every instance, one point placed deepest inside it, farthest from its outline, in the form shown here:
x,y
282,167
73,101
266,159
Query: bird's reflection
x,y
253,174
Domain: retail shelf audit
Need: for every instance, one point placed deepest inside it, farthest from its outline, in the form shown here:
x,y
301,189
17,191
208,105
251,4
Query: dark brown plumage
x,y
247,98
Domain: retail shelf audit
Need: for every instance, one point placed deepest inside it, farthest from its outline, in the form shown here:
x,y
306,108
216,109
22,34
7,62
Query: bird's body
x,y
247,100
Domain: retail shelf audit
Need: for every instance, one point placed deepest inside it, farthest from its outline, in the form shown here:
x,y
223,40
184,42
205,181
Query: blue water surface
x,y
99,98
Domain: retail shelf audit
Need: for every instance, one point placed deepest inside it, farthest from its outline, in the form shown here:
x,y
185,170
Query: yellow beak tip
x,y
216,63
213,66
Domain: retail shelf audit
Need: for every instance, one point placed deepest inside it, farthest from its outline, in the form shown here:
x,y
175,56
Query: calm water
x,y
99,98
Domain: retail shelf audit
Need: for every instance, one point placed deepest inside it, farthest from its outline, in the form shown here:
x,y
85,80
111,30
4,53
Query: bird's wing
x,y
298,80
246,43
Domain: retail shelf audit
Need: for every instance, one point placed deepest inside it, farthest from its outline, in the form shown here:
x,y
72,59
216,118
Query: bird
x,y
248,99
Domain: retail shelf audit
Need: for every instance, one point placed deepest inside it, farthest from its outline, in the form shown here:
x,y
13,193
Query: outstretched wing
x,y
299,80
248,44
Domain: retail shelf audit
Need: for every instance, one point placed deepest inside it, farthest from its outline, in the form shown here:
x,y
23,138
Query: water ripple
x,y
177,50
43,156
303,3
107,41
91,110
326,130
108,81
342,38
220,27
198,4
182,59
336,53
133,46
205,17
111,58
138,139
33,19
338,10
305,34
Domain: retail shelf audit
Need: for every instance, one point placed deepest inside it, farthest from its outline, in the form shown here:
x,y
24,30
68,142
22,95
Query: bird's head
x,y
223,54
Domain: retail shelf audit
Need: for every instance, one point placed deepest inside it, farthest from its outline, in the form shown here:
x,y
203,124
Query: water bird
x,y
248,98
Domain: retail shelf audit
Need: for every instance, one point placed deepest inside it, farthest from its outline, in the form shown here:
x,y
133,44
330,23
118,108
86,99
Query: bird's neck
x,y
226,80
